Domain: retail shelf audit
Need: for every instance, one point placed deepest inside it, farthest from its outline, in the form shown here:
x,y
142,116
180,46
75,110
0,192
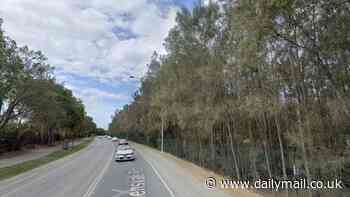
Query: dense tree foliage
x,y
34,108
252,89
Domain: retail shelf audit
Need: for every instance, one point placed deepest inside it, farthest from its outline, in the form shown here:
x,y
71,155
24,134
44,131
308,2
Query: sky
x,y
94,45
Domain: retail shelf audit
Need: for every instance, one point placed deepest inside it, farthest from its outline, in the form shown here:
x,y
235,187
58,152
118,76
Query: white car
x,y
124,153
114,139
123,142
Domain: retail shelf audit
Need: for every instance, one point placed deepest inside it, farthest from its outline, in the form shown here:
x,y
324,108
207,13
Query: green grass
x,y
10,171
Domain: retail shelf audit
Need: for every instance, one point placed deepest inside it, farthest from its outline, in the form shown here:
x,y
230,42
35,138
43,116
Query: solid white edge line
x,y
161,179
98,179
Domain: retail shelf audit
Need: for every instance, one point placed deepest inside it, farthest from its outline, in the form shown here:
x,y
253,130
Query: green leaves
x,y
29,92
274,73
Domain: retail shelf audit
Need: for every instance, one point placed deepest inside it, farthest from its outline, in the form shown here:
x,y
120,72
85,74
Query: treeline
x,y
251,89
34,107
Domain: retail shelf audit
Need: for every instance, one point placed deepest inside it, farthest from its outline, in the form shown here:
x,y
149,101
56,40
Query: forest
x,y
251,89
34,107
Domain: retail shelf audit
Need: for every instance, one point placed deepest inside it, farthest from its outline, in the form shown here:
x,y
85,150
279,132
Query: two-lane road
x,y
90,172
132,178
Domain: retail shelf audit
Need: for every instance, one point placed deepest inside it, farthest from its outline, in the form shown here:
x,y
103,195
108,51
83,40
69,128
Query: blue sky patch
x,y
123,33
94,45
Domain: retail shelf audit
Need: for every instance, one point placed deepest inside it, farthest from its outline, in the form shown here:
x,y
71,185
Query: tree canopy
x,y
252,89
34,107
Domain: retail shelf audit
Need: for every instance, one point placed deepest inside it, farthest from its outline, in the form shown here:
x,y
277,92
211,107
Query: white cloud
x,y
78,38
92,94
101,104
207,2
77,35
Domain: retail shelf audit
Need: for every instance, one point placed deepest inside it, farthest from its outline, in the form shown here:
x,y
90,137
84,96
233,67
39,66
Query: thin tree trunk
x,y
212,146
267,159
252,152
284,171
42,141
162,135
303,147
200,151
234,156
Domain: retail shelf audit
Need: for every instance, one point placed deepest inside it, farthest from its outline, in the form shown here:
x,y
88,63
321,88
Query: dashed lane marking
x,y
97,180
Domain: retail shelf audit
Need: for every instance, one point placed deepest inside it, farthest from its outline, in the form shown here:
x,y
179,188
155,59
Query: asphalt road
x,y
131,178
91,172
71,176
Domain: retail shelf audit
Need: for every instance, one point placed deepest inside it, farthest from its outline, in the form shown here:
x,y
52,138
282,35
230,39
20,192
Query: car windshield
x,y
124,147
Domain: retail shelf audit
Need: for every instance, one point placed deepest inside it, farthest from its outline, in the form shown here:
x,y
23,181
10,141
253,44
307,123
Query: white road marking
x,y
161,179
120,192
98,179
137,183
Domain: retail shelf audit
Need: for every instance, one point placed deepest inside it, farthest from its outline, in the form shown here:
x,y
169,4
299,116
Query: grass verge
x,y
10,171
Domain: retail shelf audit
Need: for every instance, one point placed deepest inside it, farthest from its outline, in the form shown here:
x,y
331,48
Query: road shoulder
x,y
16,157
184,178
26,166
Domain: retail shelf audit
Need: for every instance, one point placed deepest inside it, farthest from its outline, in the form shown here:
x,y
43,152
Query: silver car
x,y
124,153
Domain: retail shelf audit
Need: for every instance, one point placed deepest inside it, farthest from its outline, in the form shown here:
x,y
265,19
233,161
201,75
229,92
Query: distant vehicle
x,y
114,139
123,142
124,153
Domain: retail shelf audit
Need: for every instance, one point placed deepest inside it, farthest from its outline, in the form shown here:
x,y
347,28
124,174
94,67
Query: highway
x,y
70,176
131,178
92,172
